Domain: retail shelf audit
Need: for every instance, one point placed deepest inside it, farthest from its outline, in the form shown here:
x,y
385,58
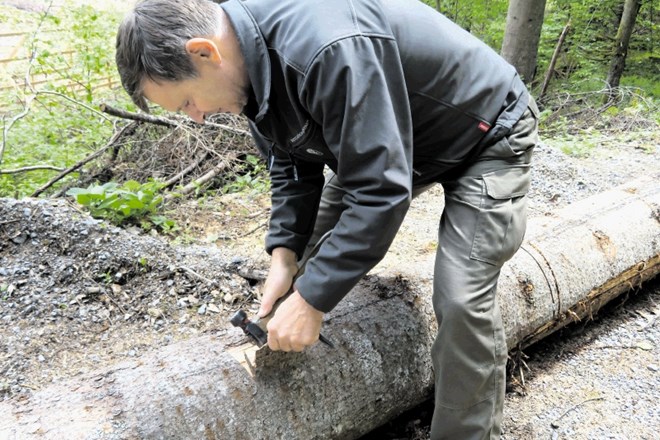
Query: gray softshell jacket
x,y
388,94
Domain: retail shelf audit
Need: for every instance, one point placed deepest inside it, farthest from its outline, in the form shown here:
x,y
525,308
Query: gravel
x,y
76,293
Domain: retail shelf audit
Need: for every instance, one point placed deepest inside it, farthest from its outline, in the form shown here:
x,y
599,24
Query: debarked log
x,y
570,264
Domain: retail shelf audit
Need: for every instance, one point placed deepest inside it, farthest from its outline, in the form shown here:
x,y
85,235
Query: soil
x,y
77,294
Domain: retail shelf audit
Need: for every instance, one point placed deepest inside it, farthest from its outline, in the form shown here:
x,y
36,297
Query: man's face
x,y
214,90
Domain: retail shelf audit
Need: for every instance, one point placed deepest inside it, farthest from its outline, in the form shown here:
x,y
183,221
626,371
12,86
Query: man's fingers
x,y
270,296
266,306
297,348
273,341
267,301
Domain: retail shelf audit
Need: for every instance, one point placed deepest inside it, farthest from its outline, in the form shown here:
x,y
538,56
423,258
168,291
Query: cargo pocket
x,y
502,215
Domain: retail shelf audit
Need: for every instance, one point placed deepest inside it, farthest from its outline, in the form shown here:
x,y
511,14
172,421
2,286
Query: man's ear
x,y
203,50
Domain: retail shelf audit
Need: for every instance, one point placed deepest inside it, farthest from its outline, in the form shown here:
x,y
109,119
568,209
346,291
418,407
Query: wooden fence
x,y
15,64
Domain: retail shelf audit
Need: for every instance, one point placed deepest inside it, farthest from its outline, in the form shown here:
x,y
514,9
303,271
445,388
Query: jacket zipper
x,y
271,162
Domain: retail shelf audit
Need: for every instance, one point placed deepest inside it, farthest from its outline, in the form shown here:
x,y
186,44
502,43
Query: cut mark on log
x,y
605,245
245,355
554,293
527,288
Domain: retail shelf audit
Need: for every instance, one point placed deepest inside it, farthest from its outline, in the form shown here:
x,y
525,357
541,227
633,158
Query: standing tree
x,y
524,21
630,10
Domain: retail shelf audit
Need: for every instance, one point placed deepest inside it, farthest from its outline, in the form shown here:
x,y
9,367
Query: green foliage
x,y
59,132
130,203
88,59
252,178
587,52
70,75
483,18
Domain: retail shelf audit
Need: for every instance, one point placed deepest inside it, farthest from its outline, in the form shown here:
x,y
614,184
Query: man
x,y
393,98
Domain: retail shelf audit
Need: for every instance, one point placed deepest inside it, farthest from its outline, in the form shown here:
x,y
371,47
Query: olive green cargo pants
x,y
482,226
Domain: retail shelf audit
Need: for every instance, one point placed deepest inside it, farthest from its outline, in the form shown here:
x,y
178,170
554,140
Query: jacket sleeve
x,y
295,196
355,90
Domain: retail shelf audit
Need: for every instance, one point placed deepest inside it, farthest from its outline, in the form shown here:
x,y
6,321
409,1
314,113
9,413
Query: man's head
x,y
182,55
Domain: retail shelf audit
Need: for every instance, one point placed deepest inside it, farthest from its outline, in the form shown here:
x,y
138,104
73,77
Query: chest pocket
x,y
308,144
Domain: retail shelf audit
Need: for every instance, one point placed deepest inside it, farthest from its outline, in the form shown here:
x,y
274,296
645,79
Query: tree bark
x,y
524,22
617,66
570,264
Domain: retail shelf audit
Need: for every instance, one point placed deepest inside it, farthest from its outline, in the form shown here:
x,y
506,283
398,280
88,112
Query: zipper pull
x,y
295,167
271,157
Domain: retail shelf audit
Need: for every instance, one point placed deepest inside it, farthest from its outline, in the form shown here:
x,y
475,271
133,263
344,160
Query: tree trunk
x,y
570,264
630,10
524,21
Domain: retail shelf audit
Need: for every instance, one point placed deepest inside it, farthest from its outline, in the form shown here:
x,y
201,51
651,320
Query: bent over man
x,y
393,98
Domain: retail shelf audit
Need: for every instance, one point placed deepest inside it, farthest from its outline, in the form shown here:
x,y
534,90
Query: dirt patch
x,y
77,294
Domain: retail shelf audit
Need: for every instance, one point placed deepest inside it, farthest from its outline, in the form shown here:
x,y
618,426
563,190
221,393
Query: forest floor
x,y
76,294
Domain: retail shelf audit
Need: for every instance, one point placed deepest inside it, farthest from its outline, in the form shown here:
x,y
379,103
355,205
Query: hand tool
x,y
256,328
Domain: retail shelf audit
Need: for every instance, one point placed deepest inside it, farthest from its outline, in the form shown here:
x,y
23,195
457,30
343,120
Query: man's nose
x,y
196,115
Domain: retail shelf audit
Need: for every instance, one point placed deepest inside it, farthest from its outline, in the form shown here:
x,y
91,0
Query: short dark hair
x,y
151,41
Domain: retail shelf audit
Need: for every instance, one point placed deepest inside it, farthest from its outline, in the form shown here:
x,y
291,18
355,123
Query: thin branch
x,y
255,229
118,135
85,106
33,55
159,120
31,168
555,424
555,55
188,169
201,181
198,276
140,117
6,127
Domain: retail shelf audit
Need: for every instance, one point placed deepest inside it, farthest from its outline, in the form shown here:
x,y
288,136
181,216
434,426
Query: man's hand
x,y
283,268
296,325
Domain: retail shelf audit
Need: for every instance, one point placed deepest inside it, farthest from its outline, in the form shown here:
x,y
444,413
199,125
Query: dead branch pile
x,y
174,150
609,110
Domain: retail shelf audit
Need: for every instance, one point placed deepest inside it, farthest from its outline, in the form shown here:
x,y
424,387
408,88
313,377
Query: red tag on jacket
x,y
483,126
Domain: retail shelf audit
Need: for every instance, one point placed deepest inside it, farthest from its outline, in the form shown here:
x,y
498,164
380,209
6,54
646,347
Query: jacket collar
x,y
255,53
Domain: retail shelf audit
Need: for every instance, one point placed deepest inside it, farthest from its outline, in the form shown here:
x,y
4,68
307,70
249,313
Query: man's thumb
x,y
267,302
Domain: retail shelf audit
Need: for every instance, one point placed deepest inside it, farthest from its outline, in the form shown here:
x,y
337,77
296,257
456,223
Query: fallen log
x,y
571,264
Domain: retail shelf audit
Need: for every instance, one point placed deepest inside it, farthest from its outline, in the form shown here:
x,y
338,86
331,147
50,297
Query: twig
x,y
6,127
198,276
619,347
191,167
255,229
28,101
555,424
89,158
31,168
201,181
258,213
141,117
68,98
555,55
159,120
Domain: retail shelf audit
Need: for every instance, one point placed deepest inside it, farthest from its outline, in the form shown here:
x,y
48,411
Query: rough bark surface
x,y
524,21
570,264
630,10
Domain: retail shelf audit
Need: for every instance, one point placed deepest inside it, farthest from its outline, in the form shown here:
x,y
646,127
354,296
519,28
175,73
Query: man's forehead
x,y
163,93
